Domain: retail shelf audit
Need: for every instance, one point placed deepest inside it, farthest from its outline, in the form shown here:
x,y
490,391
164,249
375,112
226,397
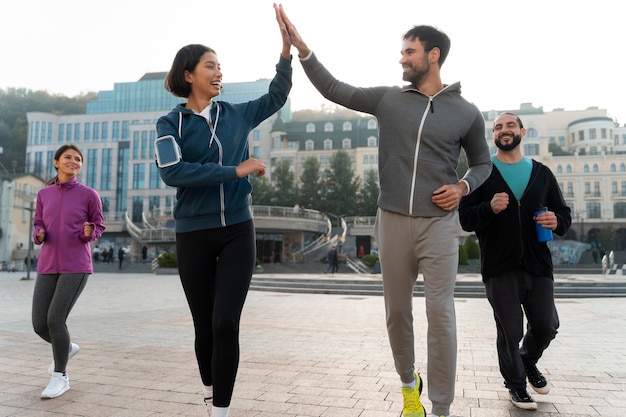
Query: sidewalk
x,y
302,355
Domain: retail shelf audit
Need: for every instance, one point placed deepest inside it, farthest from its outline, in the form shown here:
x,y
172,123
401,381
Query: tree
x,y
310,188
262,193
368,195
340,186
14,104
472,249
284,185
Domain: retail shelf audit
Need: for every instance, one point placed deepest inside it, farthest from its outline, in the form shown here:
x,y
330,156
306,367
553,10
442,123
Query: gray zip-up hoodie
x,y
420,138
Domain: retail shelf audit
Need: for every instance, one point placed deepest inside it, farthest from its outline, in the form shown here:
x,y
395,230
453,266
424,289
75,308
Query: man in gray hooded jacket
x,y
422,128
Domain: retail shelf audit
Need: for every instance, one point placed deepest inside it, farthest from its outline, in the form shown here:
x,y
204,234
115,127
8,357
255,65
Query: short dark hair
x,y
519,121
430,37
186,59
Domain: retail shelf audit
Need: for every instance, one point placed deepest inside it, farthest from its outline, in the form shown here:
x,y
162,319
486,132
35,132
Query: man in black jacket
x,y
516,267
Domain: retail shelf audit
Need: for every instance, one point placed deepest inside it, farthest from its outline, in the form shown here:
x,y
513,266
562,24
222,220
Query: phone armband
x,y
167,151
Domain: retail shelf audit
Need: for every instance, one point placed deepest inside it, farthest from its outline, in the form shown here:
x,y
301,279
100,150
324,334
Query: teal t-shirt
x,y
516,175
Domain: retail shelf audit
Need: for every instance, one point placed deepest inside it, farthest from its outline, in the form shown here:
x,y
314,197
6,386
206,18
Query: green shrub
x,y
168,260
462,255
472,248
369,260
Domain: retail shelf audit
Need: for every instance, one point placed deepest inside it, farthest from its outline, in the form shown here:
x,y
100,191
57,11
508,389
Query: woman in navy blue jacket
x,y
215,238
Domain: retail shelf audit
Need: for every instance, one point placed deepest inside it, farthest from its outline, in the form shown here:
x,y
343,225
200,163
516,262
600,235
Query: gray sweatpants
x,y
53,299
408,245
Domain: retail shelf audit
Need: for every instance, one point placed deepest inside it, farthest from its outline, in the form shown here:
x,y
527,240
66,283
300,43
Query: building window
x,y
568,169
155,178
328,144
346,143
531,133
596,189
623,188
570,190
309,145
96,131
613,167
592,134
347,126
581,135
105,130
594,210
256,151
87,132
595,168
619,210
77,132
587,188
593,150
310,128
107,162
138,176
622,167
614,187
531,149
372,124
328,127
559,169
603,133
256,135
561,141
586,168
371,142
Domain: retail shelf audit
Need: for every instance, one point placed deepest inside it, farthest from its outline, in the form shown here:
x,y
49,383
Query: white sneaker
x,y
74,348
59,383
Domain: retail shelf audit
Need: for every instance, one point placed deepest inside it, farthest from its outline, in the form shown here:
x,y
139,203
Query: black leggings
x,y
216,267
53,299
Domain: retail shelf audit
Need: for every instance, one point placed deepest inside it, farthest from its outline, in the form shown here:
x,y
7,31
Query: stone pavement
x,y
302,355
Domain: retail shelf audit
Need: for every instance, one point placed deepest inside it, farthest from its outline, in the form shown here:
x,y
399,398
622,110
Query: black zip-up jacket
x,y
508,240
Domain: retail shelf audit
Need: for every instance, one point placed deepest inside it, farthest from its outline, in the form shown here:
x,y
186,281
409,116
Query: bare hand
x,y
448,196
294,36
499,202
284,33
547,220
250,166
40,235
87,229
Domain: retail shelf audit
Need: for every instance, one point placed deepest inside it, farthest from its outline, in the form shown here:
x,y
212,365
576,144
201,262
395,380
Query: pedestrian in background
x,y
68,216
516,262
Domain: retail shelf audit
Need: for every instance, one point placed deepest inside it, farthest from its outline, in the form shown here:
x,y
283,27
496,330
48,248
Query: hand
x,y
40,235
499,202
87,229
250,166
284,33
547,220
448,196
294,36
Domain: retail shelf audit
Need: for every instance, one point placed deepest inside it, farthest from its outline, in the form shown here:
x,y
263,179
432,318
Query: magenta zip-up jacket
x,y
62,209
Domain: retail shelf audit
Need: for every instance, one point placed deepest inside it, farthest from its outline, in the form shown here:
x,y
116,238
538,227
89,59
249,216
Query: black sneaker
x,y
537,380
521,399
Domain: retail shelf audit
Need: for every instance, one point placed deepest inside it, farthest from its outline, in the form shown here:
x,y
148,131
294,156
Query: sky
x,y
551,53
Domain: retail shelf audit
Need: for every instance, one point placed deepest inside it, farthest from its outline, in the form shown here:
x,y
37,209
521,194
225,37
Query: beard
x,y
517,139
415,75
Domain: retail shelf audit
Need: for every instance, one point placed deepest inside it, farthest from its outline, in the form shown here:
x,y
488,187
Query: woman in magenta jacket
x,y
68,216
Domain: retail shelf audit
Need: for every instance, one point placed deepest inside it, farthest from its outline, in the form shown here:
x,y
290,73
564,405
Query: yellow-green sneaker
x,y
411,396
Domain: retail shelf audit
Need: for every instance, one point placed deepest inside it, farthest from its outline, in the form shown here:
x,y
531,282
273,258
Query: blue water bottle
x,y
543,234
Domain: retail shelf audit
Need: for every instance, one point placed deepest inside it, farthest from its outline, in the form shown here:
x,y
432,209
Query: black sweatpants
x,y
216,267
53,299
508,294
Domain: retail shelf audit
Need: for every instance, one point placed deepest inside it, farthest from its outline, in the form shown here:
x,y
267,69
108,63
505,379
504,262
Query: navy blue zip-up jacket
x,y
208,193
508,240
